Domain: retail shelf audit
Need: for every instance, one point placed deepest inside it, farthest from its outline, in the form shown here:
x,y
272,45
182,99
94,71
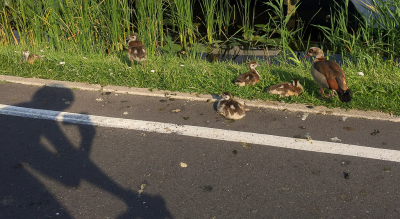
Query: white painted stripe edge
x,y
205,132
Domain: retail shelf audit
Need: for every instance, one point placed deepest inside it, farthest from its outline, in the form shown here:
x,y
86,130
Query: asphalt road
x,y
52,169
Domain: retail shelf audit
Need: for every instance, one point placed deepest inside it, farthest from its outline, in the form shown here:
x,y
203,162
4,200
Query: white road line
x,y
204,132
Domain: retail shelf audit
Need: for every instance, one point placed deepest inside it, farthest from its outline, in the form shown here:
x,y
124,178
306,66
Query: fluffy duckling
x,y
328,74
286,89
251,77
230,108
136,49
30,58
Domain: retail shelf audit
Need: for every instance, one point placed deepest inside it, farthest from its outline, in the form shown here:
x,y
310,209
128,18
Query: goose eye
x,y
310,51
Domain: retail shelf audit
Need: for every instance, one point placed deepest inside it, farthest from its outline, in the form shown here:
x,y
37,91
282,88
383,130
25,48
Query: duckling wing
x,y
138,52
247,78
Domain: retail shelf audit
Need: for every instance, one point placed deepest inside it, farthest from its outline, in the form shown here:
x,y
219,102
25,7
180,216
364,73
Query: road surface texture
x,y
53,169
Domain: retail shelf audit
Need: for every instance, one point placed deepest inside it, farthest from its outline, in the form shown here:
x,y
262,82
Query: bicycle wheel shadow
x,y
30,147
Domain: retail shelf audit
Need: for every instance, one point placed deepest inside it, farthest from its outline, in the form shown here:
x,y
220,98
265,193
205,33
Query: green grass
x,y
378,90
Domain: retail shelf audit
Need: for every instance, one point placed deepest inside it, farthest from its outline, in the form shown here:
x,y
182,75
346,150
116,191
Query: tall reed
x,y
181,12
247,17
209,8
278,24
149,22
84,25
374,36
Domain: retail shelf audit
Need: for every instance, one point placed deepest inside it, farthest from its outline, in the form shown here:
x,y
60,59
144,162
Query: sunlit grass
x,y
378,89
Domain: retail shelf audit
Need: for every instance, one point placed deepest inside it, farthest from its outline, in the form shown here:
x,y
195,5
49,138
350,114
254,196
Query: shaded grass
x,y
378,90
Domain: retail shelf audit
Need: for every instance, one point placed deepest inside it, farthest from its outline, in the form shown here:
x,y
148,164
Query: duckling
x,y
230,108
30,58
286,89
251,77
136,50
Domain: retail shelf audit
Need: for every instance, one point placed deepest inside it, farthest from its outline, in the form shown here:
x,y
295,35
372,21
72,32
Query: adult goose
x,y
328,74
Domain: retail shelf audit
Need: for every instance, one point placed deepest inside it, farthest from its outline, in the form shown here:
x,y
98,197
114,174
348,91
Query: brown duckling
x,y
251,77
136,50
30,58
328,74
230,108
286,89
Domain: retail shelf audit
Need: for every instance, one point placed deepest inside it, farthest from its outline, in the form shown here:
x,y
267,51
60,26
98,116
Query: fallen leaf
x,y
176,111
183,165
235,151
245,145
106,93
161,109
376,131
307,136
141,189
346,175
185,118
229,120
347,128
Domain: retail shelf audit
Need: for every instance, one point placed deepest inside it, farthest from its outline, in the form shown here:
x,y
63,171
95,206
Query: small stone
x,y
183,165
176,110
125,113
336,139
360,73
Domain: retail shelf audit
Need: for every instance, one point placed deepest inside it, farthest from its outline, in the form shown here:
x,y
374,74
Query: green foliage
x,y
149,22
374,37
84,25
181,12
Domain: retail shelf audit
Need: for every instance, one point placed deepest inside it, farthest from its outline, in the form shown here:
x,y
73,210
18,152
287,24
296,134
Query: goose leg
x,y
322,92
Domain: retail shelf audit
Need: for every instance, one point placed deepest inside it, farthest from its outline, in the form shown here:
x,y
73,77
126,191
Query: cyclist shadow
x,y
32,147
